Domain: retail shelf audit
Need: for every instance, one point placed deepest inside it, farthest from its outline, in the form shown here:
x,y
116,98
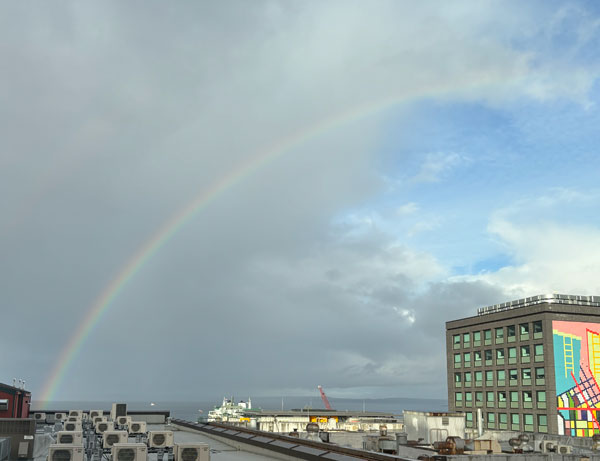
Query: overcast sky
x,y
448,160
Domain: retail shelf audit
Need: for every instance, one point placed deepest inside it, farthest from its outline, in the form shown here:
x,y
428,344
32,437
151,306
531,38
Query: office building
x,y
530,365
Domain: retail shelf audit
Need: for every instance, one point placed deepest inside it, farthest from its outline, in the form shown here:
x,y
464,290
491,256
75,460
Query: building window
x,y
524,331
514,421
513,377
468,399
467,379
540,376
457,380
499,335
512,355
537,330
479,398
477,338
467,359
542,423
541,399
538,350
487,337
525,354
491,420
456,341
458,399
489,378
478,378
469,419
487,354
467,340
489,397
502,421
501,377
3,404
528,422
499,356
514,399
510,334
527,400
477,358
501,399
457,358
525,376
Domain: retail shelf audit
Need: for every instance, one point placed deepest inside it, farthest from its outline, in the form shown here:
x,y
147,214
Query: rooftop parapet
x,y
541,299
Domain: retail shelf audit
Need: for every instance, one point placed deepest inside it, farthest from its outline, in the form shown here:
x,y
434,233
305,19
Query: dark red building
x,y
14,402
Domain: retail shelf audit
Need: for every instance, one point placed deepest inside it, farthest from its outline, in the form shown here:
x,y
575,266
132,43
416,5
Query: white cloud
x,y
438,165
555,249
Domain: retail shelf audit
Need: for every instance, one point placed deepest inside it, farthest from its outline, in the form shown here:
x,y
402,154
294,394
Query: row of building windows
x,y
510,421
501,399
511,356
499,335
490,378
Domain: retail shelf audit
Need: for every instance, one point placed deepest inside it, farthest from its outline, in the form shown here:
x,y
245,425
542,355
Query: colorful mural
x,y
577,373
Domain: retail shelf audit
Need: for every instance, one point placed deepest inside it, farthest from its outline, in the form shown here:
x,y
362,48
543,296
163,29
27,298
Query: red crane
x,y
324,398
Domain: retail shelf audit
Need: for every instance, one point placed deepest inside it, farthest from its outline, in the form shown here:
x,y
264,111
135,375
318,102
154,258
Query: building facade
x,y
530,365
14,402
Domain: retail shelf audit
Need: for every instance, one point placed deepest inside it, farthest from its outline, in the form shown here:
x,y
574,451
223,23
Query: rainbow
x,y
180,219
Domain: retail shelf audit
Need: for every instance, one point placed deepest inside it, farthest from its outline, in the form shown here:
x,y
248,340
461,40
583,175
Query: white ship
x,y
230,411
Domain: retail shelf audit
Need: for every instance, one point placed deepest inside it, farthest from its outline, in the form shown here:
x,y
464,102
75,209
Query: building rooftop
x,y
555,298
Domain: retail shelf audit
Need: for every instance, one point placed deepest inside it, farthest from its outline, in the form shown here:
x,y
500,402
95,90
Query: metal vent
x,y
158,439
61,455
66,438
189,454
70,426
125,454
445,421
136,427
112,439
102,427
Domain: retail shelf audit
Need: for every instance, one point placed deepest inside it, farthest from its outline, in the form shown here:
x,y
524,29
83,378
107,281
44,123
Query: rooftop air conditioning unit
x,y
564,449
191,452
75,413
72,426
109,438
96,413
123,420
137,427
50,418
65,453
160,439
549,446
99,419
60,416
118,409
103,426
129,452
74,419
70,438
40,417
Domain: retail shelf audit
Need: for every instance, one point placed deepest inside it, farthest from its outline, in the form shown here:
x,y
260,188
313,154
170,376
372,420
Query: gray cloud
x,y
115,115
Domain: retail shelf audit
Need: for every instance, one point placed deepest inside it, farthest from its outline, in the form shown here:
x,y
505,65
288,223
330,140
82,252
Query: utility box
x,y
118,409
429,427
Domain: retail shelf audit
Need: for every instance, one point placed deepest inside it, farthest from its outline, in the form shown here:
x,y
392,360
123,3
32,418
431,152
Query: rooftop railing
x,y
541,299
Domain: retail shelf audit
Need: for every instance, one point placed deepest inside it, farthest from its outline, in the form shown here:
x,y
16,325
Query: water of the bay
x,y
191,411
